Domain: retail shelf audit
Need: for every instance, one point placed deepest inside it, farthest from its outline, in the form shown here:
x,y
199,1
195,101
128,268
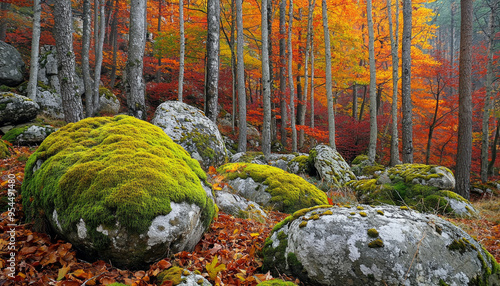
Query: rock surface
x,y
16,109
11,65
118,189
238,206
182,277
50,103
330,165
28,135
272,187
109,103
191,129
376,246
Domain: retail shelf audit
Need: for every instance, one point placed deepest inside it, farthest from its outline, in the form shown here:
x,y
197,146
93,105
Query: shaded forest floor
x,y
236,243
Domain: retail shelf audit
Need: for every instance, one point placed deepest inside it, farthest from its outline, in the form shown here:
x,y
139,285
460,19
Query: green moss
x,y
377,243
117,284
289,192
360,208
12,134
4,149
304,164
372,233
173,274
442,283
296,267
303,224
363,214
105,169
276,282
380,212
202,143
328,212
359,159
405,208
370,170
106,93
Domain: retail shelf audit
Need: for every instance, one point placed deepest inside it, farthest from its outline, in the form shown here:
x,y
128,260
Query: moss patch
x,y
108,169
4,149
173,274
106,93
12,134
289,191
276,282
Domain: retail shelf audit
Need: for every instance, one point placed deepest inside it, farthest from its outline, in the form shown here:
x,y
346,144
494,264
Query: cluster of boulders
x,y
133,192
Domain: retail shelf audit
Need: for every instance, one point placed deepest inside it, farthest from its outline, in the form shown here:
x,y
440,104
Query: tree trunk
x,y
432,126
63,34
487,100
312,82
242,98
290,77
372,147
355,101
266,85
361,110
212,84
99,55
4,9
395,77
182,50
407,120
87,80
35,44
160,8
283,105
114,33
494,149
329,95
135,87
233,64
464,150
302,115
274,133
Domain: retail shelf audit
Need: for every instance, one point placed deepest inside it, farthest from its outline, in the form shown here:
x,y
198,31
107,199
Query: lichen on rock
x,y
117,175
271,186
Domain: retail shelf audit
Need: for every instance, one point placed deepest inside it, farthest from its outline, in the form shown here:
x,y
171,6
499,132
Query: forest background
x,y
435,38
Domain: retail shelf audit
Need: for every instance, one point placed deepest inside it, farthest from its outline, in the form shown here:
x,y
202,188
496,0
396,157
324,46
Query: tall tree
x,y
135,87
182,49
290,77
407,121
266,84
87,80
212,82
394,37
99,44
114,42
464,150
488,98
283,105
372,147
63,34
302,115
329,95
242,98
35,44
312,81
4,8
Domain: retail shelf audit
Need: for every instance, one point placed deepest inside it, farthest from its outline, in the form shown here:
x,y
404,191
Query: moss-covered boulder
x,y
191,129
384,245
296,163
276,282
272,187
108,102
28,135
118,189
16,109
50,102
330,165
423,187
238,206
362,167
180,276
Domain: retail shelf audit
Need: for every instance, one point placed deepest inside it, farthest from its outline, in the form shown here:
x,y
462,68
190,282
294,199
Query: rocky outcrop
x,y
16,109
28,135
386,245
238,206
330,165
191,129
11,65
118,189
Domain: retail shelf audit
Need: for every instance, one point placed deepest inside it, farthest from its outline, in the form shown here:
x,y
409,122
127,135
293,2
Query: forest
x,y
407,81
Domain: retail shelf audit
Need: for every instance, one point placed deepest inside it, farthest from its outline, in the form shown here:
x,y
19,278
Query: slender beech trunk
x,y
99,53
4,9
63,34
302,115
160,13
355,101
290,77
87,79
266,84
395,77
312,82
212,82
114,34
407,105
35,44
182,50
283,105
274,132
233,64
329,95
464,150
135,87
494,149
487,100
372,147
242,98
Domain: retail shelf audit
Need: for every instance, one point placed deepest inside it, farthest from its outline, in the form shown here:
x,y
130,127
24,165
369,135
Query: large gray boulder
x,y
16,109
191,129
330,165
11,65
238,206
50,103
119,189
108,102
376,246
